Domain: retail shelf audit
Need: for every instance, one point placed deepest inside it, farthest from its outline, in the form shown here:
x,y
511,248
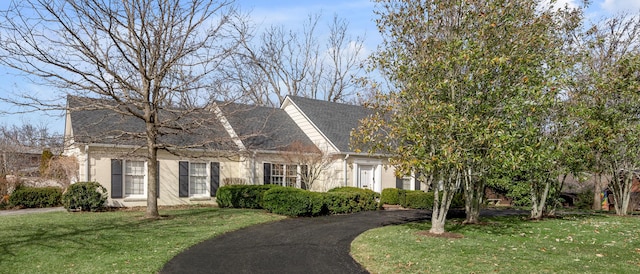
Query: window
x,y
198,179
284,175
134,179
292,175
406,183
277,174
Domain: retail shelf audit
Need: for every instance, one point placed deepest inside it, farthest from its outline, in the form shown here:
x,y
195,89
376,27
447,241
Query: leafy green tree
x,y
607,87
471,81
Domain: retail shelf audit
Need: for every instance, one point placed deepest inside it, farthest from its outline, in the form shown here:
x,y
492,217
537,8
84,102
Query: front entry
x,y
366,177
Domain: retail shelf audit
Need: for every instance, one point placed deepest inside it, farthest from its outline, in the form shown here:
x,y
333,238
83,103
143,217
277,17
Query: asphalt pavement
x,y
294,245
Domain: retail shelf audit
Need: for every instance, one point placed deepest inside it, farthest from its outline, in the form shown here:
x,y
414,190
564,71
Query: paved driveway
x,y
296,245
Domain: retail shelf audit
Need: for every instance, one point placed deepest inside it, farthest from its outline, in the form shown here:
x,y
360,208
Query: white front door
x,y
366,177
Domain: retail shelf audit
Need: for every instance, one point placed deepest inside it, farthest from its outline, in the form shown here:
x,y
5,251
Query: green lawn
x,y
573,244
111,242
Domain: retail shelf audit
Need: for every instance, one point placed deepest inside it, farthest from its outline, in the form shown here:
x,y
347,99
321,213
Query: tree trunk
x,y
538,200
474,197
441,202
621,185
152,167
597,190
556,196
439,215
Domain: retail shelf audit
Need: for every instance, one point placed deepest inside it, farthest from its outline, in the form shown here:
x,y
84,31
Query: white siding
x,y
309,129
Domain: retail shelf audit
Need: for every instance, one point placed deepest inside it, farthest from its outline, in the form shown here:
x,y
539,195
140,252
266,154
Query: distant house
x,y
239,144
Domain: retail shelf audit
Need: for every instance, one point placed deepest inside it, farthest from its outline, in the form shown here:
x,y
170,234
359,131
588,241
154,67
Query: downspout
x,y
88,163
346,181
253,169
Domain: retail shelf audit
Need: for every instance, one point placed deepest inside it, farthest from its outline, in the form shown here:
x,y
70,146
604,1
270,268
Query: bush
x,y
390,196
242,196
458,201
35,197
418,199
424,200
360,200
293,202
85,196
584,199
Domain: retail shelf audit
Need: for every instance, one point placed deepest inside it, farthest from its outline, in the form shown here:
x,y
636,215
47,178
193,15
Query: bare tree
x,y
313,162
280,62
151,61
21,146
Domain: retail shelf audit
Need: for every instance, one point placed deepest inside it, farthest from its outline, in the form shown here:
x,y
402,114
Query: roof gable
x,y
334,120
264,128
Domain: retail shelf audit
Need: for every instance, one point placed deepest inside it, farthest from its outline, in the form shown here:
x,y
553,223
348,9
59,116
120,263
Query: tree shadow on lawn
x,y
95,231
494,221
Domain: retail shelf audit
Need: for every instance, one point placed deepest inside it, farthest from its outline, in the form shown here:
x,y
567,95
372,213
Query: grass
x,y
111,242
573,244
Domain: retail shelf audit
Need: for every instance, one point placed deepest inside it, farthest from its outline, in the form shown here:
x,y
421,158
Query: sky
x,y
359,14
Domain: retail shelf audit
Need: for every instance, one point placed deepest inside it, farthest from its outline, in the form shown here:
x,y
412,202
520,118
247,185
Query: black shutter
x,y
417,187
116,178
183,179
267,173
399,182
215,178
157,179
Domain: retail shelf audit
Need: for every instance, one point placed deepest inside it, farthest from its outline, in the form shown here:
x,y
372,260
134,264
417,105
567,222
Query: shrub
x,y
293,202
85,196
242,196
36,197
457,201
390,196
584,199
402,196
366,199
418,199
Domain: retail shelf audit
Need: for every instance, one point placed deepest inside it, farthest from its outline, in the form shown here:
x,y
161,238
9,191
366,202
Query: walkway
x,y
30,211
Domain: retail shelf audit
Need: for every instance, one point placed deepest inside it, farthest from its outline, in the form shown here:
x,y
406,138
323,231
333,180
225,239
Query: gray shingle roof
x,y
264,128
259,128
95,121
334,120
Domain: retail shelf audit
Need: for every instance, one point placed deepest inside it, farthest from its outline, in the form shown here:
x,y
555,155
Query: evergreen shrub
x,y
390,196
293,202
35,197
85,196
362,200
242,196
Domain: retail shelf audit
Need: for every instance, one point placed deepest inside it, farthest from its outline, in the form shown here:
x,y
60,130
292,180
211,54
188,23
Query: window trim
x,y
207,188
282,178
144,180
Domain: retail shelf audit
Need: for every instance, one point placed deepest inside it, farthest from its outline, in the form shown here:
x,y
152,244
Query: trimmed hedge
x,y
424,200
35,197
85,196
390,196
242,196
418,200
351,199
297,202
293,202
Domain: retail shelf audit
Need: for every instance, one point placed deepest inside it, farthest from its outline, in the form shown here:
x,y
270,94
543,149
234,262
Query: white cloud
x,y
620,5
561,3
